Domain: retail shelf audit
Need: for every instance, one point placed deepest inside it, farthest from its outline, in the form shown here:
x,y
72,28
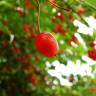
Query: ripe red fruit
x,y
46,44
92,54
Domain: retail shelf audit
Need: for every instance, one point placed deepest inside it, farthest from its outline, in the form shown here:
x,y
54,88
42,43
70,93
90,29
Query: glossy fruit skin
x,y
46,44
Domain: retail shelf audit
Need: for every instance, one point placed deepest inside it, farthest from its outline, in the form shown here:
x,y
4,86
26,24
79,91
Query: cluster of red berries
x,y
59,29
27,28
60,16
25,58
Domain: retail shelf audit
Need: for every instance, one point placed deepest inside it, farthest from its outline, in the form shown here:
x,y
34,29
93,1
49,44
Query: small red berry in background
x,y
60,15
92,54
5,44
16,50
25,58
74,39
37,58
34,80
54,19
71,18
81,10
28,4
20,10
28,29
59,29
92,44
52,3
46,44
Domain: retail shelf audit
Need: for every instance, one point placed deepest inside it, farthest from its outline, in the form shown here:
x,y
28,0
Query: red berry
x,y
46,44
81,10
16,50
5,44
37,58
92,44
60,15
25,27
20,10
92,54
57,28
52,3
28,4
54,19
25,58
71,18
34,80
74,39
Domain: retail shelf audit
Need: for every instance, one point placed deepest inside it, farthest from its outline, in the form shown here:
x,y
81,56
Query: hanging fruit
x,y
46,44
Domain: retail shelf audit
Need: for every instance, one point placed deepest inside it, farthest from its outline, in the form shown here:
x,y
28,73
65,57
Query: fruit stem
x,y
38,16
